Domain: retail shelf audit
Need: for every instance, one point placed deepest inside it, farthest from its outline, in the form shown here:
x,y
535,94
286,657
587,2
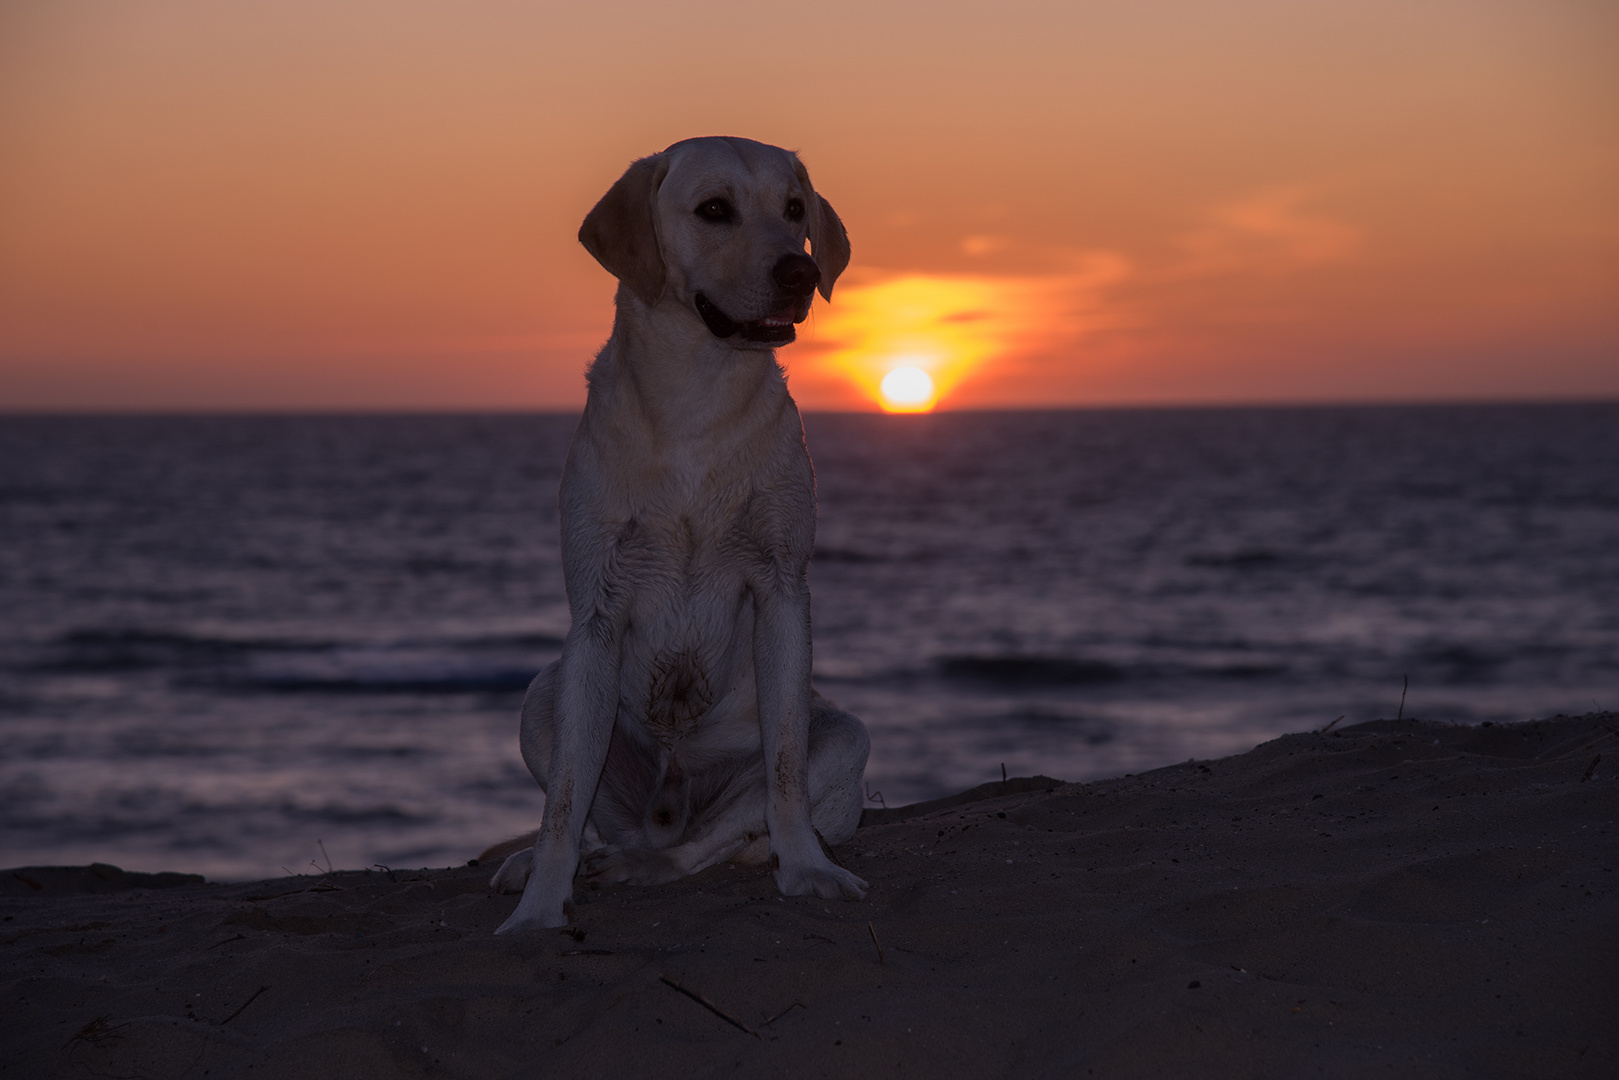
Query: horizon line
x,y
246,411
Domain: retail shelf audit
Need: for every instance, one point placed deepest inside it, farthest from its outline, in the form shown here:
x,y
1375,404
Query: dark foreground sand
x,y
1394,899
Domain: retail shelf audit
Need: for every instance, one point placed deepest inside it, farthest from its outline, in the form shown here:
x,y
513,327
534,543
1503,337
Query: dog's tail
x,y
509,847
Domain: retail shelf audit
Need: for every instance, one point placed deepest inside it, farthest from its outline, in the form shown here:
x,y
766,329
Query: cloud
x,y
970,326
1266,233
985,245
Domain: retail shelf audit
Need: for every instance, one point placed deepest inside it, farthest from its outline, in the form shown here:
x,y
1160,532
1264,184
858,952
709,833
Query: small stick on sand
x,y
1003,772
1330,726
325,856
227,941
1589,769
97,1032
1405,684
710,1006
319,886
243,1005
784,1012
874,941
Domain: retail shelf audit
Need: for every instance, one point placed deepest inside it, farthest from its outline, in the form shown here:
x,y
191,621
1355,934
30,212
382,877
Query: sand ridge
x,y
1396,898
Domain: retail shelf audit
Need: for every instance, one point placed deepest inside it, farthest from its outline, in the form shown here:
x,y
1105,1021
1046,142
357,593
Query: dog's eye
x,y
795,209
716,210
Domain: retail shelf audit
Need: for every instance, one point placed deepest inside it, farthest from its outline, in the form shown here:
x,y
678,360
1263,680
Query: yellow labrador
x,y
679,728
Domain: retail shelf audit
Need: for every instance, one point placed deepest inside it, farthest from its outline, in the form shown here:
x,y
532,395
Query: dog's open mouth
x,y
774,329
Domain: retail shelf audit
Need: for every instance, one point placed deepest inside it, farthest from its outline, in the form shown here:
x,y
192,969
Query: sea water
x,y
246,645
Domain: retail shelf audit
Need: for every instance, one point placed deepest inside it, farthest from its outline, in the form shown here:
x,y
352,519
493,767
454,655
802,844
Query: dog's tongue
x,y
784,317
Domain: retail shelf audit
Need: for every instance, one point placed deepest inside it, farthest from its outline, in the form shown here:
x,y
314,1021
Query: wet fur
x,y
679,728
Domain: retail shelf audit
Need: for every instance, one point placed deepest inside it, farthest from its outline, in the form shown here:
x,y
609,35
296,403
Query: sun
x,y
907,389
909,342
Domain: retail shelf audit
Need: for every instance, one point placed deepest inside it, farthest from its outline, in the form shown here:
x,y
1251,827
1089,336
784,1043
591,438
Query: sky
x,y
345,205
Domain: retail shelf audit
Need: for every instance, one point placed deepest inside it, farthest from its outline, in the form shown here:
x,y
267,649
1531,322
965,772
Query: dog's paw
x,y
513,873
630,866
826,880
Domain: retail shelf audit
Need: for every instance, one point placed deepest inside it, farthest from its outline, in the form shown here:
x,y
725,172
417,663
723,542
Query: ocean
x,y
242,646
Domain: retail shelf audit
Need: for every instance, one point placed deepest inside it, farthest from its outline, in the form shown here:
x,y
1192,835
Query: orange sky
x,y
337,205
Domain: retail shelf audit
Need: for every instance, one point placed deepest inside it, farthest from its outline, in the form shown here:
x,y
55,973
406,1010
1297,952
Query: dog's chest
x,y
687,643
689,538
697,529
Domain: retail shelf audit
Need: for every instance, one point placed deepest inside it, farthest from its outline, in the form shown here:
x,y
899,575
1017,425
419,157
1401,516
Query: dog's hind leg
x,y
536,730
730,817
731,821
839,747
534,735
518,857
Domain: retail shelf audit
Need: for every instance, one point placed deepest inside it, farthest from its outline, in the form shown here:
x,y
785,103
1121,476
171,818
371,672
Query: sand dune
x,y
1392,899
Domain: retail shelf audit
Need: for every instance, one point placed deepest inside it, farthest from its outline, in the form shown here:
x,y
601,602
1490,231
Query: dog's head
x,y
718,225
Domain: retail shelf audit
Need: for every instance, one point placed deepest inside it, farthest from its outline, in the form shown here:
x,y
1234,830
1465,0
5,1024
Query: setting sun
x,y
906,342
907,389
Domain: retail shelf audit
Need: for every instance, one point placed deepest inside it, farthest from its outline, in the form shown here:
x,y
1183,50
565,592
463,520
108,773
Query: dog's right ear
x,y
622,231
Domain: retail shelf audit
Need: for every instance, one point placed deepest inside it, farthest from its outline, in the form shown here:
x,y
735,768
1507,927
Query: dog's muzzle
x,y
796,277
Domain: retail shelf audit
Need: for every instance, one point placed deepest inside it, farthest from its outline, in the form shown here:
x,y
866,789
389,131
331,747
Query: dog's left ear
x,y
829,244
622,231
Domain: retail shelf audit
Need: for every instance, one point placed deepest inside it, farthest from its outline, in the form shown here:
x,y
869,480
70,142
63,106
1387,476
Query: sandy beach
x,y
1397,898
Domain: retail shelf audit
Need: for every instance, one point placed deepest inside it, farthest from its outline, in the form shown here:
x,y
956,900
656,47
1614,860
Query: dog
x,y
679,728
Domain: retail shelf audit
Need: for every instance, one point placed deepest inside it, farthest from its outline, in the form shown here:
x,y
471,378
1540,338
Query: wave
x,y
1246,559
1015,670
128,649
102,650
1090,730
404,680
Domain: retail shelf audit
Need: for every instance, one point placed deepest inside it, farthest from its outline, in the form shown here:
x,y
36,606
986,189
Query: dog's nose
x,y
798,274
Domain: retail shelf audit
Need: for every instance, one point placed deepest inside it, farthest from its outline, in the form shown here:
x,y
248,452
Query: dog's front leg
x,y
781,658
586,703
